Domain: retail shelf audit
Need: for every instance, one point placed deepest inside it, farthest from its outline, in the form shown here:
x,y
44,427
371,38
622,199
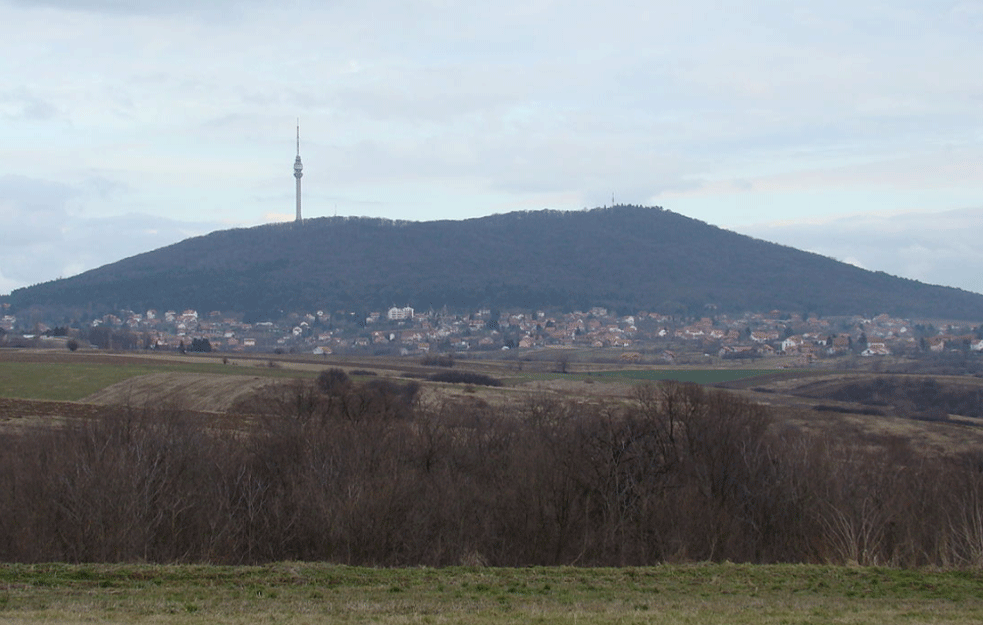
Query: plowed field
x,y
189,391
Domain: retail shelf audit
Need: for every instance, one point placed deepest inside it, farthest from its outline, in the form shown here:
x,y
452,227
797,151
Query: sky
x,y
851,129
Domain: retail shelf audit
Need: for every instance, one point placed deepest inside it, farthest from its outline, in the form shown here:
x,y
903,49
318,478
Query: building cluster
x,y
403,330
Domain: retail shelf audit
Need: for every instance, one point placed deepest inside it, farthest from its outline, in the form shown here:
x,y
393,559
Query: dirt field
x,y
188,391
18,414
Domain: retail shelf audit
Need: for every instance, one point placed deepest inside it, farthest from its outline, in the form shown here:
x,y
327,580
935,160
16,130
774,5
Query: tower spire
x,y
298,171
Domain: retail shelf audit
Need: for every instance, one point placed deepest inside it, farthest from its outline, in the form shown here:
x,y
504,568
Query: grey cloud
x,y
511,99
28,204
41,239
938,248
23,106
82,244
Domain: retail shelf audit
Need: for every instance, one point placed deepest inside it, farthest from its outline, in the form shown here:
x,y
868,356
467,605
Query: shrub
x,y
465,377
438,360
372,476
333,381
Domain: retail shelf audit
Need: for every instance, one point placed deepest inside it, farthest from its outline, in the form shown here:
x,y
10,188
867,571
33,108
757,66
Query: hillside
x,y
625,258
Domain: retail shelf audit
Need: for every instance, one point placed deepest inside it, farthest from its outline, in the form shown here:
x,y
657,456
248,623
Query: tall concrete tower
x,y
298,171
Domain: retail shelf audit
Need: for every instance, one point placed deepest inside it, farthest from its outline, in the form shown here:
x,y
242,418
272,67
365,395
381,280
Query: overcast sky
x,y
853,129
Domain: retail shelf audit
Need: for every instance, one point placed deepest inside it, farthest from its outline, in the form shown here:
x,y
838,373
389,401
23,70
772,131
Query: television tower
x,y
298,171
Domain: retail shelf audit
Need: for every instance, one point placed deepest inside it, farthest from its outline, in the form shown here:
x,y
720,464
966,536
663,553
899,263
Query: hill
x,y
626,258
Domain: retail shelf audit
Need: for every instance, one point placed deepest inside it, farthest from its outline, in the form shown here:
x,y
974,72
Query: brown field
x,y
188,391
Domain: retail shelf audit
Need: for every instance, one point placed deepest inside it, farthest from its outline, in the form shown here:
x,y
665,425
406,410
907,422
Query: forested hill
x,y
626,258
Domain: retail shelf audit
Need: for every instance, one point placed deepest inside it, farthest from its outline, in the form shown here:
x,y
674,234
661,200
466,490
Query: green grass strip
x,y
74,381
318,593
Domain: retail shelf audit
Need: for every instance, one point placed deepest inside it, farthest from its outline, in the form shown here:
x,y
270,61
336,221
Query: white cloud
x,y
278,217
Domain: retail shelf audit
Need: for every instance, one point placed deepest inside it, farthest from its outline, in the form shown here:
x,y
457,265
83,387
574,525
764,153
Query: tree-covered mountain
x,y
626,258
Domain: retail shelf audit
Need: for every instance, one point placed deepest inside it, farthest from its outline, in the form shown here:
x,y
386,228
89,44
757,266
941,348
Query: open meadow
x,y
292,592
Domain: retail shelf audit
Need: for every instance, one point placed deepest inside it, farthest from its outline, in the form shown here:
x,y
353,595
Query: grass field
x,y
72,381
317,593
66,377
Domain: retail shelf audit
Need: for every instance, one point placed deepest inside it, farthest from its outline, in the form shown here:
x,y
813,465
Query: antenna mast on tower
x,y
298,171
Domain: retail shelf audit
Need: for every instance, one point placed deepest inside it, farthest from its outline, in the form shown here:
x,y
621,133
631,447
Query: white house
x,y
399,314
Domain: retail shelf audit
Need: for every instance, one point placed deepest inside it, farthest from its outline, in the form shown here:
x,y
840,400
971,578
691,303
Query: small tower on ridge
x,y
298,171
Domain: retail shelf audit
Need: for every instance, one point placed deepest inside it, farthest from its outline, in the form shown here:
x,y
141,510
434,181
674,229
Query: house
x,y
936,343
399,314
410,336
792,344
876,349
762,337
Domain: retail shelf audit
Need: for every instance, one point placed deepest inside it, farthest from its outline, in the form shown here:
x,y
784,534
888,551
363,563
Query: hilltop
x,y
626,258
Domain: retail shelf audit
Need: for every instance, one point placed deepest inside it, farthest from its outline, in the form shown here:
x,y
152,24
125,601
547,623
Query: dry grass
x,y
793,398
190,391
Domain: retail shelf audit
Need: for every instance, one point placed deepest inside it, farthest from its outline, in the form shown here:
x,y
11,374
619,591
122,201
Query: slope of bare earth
x,y
189,391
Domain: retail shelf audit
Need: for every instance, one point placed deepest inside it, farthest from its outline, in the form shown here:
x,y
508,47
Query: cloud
x,y
723,111
43,238
933,247
128,7
7,285
278,217
21,105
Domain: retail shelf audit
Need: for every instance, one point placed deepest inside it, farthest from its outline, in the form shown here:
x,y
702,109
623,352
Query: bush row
x,y
369,474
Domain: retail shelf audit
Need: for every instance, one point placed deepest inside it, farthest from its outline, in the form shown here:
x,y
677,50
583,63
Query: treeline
x,y
369,473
